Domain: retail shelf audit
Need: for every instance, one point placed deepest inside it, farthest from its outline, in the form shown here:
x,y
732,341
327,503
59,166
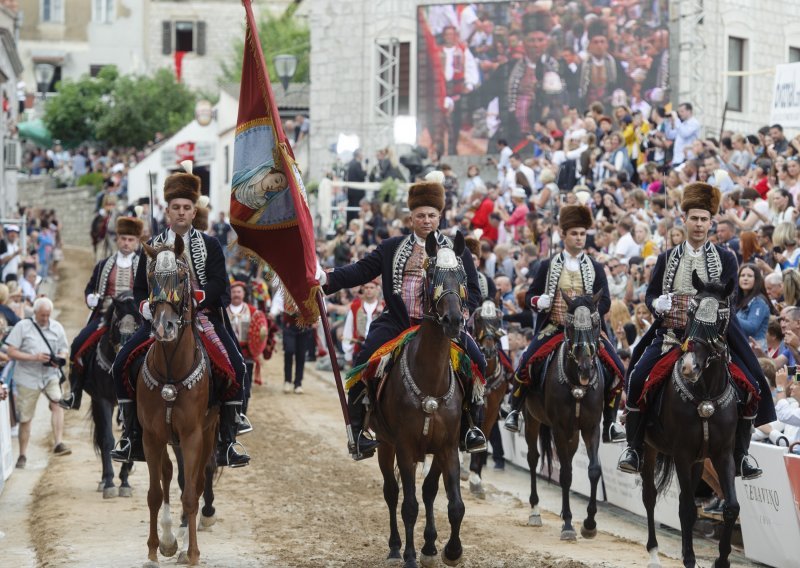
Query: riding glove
x,y
92,300
663,303
542,302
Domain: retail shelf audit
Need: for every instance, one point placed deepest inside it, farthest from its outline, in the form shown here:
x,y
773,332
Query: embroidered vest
x,y
678,280
240,323
571,283
112,281
360,317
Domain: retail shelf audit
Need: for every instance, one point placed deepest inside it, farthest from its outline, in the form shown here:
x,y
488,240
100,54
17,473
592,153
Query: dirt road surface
x,y
301,503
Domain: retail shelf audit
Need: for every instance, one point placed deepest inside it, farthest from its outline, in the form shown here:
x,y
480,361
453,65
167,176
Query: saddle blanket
x,y
378,367
90,343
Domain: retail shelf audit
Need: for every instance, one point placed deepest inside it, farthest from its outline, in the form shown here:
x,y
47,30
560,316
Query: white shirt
x,y
511,177
236,309
171,238
683,133
626,247
571,263
124,260
504,165
347,334
23,336
471,72
787,412
12,266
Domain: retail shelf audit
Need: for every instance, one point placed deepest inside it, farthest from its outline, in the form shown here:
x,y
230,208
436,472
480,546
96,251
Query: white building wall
x,y
8,176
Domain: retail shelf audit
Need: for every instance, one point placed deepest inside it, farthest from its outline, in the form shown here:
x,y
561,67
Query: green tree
x,y
278,34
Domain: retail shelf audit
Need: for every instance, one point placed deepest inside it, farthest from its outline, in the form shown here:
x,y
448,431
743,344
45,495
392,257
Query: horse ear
x,y
431,246
459,244
696,282
729,286
150,251
177,247
596,298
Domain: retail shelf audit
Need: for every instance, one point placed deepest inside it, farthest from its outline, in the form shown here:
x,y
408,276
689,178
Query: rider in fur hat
x,y
668,296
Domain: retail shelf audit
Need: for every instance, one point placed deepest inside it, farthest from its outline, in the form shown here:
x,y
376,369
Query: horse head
x,y
170,290
124,318
582,334
445,285
709,315
487,328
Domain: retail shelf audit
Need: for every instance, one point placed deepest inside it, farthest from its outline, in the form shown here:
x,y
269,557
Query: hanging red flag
x,y
269,207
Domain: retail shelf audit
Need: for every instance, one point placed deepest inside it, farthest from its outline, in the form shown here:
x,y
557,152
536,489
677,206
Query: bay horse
x,y
172,394
121,319
419,412
487,330
569,407
696,419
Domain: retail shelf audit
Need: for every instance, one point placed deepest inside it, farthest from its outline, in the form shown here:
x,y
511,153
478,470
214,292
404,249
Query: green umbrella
x,y
36,132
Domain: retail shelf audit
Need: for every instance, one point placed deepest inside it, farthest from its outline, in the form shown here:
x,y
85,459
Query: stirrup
x,y
615,434
232,448
482,448
624,462
511,423
243,425
67,403
122,451
756,470
355,449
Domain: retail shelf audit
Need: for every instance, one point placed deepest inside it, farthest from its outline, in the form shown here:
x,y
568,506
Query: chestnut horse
x,y
570,406
696,420
419,411
487,329
172,395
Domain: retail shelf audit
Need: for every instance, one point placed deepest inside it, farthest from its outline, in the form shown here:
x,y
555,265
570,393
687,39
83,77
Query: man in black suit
x,y
355,172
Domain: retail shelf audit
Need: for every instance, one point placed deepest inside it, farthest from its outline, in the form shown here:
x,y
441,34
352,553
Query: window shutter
x,y
166,38
201,38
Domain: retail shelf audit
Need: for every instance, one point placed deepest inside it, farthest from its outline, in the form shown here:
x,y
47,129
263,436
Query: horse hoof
x,y
101,486
411,563
125,491
535,521
183,557
450,562
464,474
477,490
588,533
654,565
109,492
150,564
428,561
206,523
569,535
168,549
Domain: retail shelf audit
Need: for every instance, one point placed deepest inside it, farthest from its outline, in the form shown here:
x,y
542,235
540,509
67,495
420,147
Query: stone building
x,y
10,70
361,80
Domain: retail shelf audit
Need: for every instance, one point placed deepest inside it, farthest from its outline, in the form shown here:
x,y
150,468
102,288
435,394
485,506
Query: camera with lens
x,y
55,362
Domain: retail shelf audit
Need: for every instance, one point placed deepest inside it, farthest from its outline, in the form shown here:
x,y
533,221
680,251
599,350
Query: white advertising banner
x,y
770,527
786,96
6,451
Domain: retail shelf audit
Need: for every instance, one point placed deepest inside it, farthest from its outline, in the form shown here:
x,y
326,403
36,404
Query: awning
x,y
36,132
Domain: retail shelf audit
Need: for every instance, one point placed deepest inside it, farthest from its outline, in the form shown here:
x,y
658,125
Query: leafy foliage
x,y
94,179
278,34
116,110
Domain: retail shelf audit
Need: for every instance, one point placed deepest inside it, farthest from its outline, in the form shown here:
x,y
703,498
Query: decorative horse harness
x,y
583,321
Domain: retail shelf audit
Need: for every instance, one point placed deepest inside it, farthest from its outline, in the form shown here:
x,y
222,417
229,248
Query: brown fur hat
x,y
182,186
701,195
573,216
474,246
428,193
130,226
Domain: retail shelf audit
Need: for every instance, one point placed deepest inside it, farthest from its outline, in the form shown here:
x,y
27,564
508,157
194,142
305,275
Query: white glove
x,y
92,300
321,276
663,303
146,313
544,303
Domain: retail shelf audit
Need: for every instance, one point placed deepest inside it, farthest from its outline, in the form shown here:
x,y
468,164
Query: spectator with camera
x,y
39,346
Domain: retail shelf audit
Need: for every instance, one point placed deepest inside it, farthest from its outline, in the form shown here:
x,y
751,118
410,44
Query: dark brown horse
x,y
487,331
697,420
172,396
419,412
570,406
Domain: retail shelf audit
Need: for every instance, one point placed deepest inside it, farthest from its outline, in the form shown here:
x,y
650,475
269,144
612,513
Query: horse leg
x,y
430,488
565,449
591,440
125,489
194,469
155,494
532,438
208,512
391,491
477,461
104,440
688,477
451,555
649,496
169,544
410,507
726,470
181,483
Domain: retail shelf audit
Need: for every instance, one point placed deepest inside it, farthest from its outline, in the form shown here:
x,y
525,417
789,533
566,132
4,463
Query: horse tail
x,y
99,425
665,470
546,444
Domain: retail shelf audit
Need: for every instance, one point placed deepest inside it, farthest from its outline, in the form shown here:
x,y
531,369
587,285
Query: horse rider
x,y
249,326
486,284
574,273
399,262
111,277
211,287
668,296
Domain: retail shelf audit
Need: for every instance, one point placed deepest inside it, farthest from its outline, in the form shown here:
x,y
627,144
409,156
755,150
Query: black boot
x,y
631,459
612,431
73,401
746,466
472,439
512,420
227,454
129,448
363,446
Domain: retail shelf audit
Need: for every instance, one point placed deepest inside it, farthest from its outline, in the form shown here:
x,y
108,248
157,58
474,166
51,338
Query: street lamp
x,y
285,66
44,76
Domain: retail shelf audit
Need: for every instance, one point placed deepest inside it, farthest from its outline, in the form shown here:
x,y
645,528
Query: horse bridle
x,y
701,316
434,290
163,286
584,329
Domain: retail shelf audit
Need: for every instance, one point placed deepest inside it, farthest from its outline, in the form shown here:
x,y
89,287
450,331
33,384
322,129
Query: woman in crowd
x,y
785,239
515,221
753,308
621,328
749,247
677,234
644,238
781,208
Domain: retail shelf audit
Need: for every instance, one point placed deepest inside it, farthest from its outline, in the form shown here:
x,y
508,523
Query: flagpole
x,y
326,327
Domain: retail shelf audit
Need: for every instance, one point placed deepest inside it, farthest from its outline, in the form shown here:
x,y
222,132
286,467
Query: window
x,y
103,11
736,63
51,11
794,54
393,78
94,70
183,36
